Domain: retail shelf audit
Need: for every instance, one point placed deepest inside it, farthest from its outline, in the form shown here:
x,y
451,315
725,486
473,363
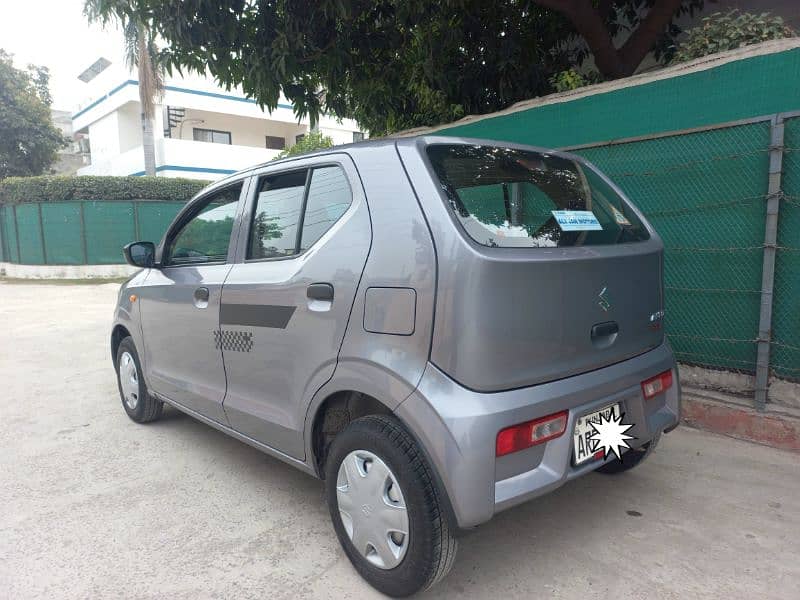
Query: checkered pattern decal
x,y
237,341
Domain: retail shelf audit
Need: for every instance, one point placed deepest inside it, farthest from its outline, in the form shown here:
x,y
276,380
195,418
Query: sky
x,y
55,34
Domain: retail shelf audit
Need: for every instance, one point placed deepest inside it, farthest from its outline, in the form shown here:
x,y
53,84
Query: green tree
x,y
396,64
29,141
140,53
313,140
728,31
266,229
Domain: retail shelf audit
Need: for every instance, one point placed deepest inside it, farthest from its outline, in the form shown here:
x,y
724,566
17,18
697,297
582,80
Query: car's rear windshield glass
x,y
512,198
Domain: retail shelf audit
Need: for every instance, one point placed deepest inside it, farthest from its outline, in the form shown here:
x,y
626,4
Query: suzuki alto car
x,y
430,325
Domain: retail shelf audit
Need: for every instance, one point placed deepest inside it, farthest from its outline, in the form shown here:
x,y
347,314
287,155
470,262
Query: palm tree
x,y
140,52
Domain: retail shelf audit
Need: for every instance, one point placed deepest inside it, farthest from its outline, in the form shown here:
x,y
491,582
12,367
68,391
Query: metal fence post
x,y
84,247
41,232
136,233
768,270
16,233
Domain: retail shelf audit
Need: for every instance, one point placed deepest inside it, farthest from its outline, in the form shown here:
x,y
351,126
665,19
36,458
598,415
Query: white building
x,y
201,131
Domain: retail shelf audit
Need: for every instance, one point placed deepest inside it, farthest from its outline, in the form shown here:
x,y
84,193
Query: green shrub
x,y
728,31
567,80
313,140
16,190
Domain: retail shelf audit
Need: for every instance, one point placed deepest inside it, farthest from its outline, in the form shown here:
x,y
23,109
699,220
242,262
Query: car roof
x,y
418,140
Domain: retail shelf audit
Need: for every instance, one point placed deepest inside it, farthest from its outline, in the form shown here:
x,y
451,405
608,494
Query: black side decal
x,y
256,315
236,341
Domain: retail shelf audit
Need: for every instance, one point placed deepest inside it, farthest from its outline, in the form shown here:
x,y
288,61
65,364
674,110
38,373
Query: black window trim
x,y
213,131
580,160
309,168
191,210
277,137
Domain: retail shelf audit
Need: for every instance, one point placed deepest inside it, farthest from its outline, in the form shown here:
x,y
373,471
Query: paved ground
x,y
95,506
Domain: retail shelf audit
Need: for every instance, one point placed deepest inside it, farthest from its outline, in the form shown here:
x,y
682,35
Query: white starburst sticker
x,y
609,435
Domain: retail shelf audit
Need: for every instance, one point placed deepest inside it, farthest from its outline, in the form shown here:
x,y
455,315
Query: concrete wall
x,y
245,131
16,271
104,136
185,158
208,156
111,116
70,158
129,127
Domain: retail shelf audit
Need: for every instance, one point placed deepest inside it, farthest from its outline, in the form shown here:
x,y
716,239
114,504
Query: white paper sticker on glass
x,y
577,220
619,217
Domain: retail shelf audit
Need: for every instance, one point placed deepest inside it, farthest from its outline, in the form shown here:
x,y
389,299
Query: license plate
x,y
583,431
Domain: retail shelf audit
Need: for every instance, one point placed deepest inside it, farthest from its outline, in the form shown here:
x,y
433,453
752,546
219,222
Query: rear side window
x,y
294,210
328,197
277,215
511,198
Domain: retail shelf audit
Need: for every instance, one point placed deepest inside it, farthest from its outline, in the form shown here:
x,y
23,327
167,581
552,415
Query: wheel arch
x,y
336,410
118,333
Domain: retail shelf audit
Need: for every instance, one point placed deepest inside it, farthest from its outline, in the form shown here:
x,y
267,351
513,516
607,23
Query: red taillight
x,y
655,385
518,437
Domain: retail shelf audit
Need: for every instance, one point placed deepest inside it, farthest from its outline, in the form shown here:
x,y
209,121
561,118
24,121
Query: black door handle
x,y
320,291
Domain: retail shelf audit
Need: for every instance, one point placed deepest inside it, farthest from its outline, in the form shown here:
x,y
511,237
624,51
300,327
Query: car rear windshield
x,y
512,198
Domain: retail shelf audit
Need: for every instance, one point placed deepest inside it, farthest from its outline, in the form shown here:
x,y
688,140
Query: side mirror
x,y
140,254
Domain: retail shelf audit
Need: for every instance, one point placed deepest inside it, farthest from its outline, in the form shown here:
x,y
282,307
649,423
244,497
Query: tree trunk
x,y
148,88
148,145
589,22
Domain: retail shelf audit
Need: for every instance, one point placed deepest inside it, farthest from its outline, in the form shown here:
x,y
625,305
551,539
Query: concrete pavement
x,y
94,506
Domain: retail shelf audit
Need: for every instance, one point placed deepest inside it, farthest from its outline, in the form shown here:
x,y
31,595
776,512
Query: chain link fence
x,y
706,191
785,358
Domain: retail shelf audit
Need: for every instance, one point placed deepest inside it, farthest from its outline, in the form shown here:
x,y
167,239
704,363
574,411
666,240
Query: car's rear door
x,y
545,269
287,301
180,303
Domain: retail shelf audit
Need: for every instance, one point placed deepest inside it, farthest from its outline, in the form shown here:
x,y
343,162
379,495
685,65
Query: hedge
x,y
46,188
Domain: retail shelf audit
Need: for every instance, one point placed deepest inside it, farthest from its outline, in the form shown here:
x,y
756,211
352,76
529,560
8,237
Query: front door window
x,y
206,236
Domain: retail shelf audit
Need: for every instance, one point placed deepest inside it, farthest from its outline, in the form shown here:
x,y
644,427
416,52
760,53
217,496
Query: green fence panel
x,y
785,349
31,251
61,222
10,233
109,226
155,217
705,195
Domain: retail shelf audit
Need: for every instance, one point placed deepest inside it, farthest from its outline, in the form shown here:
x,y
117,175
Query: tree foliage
x,y
29,141
728,31
314,140
396,64
567,80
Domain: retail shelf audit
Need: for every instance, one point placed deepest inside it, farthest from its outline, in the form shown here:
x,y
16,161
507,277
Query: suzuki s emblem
x,y
603,301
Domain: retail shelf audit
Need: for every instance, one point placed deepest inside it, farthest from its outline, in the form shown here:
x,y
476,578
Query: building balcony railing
x,y
183,158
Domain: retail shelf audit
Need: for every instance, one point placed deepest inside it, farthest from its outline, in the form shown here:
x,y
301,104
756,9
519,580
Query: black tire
x,y
147,408
630,459
432,546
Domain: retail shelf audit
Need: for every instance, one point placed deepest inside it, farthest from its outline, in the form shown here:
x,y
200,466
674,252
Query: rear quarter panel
x,y
402,256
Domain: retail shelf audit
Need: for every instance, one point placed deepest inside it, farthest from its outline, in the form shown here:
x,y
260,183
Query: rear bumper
x,y
458,427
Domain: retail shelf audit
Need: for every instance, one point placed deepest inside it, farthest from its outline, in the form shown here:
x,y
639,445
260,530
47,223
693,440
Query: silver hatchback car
x,y
430,325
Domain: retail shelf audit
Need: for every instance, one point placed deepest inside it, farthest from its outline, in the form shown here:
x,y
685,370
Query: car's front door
x,y
180,304
286,304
